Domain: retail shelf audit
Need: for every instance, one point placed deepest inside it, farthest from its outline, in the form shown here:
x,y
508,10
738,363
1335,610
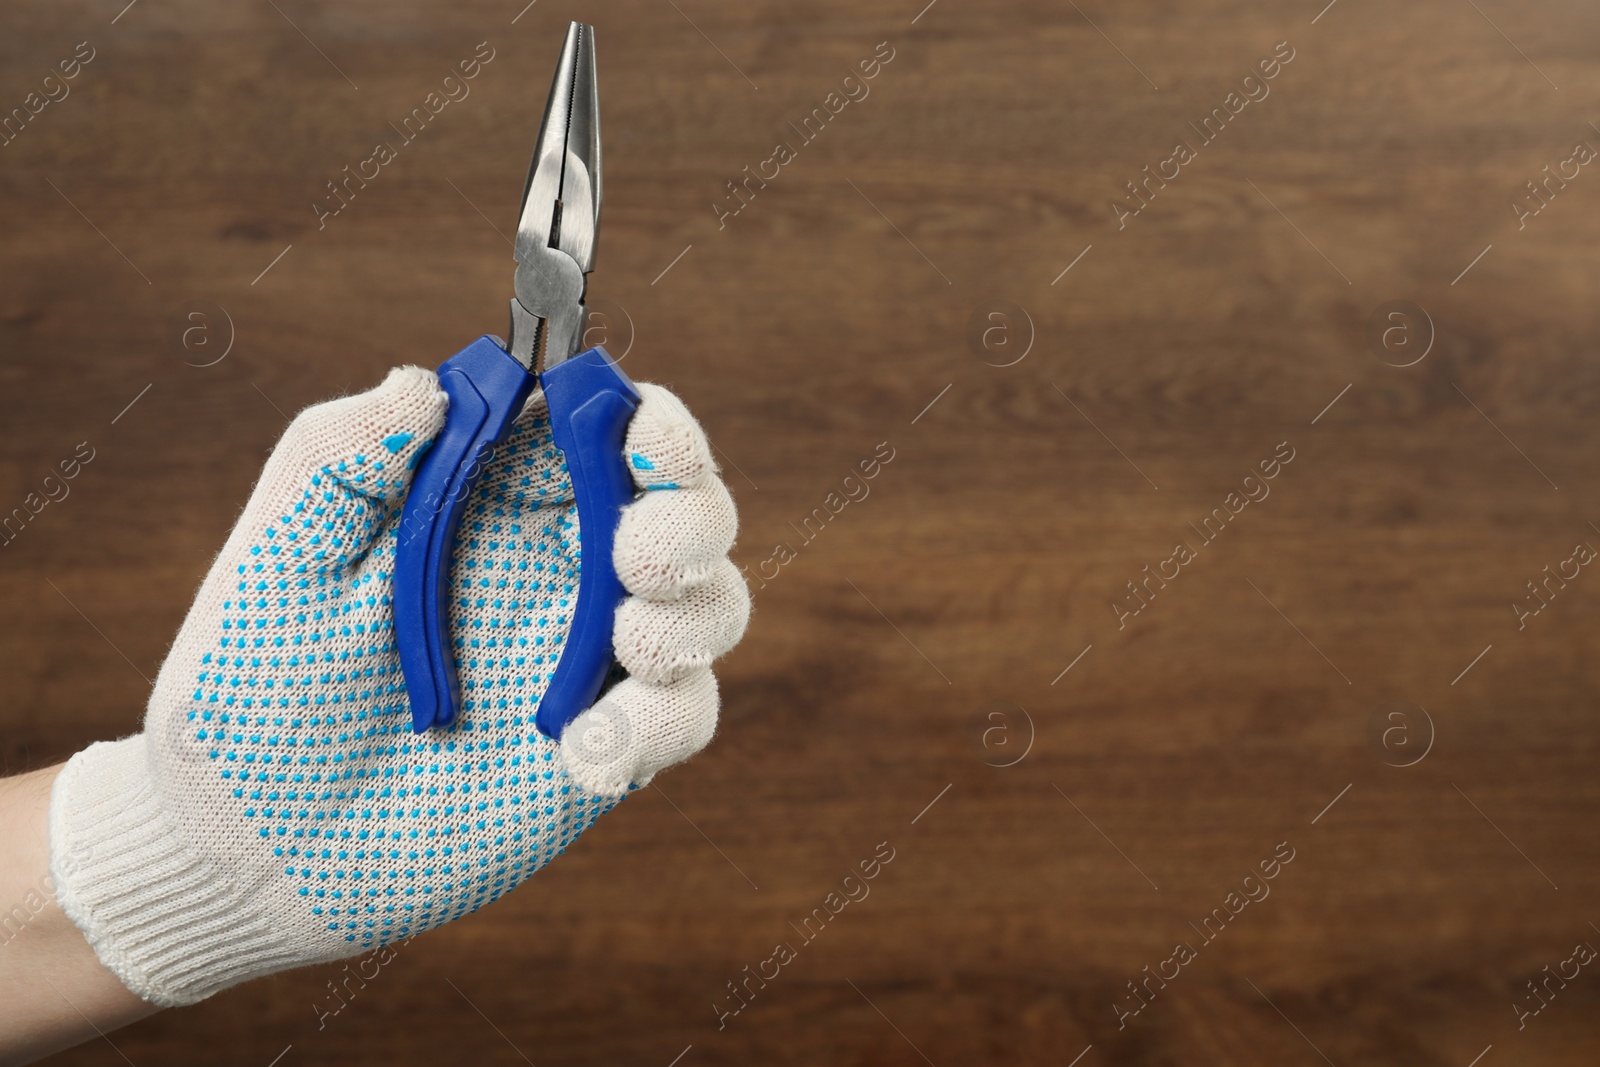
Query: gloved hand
x,y
278,811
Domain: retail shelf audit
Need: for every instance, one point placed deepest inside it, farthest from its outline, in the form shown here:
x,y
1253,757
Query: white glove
x,y
278,811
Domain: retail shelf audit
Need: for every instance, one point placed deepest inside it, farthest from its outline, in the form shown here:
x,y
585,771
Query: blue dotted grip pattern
x,y
300,705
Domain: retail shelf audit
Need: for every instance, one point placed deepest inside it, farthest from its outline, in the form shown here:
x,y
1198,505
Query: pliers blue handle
x,y
591,401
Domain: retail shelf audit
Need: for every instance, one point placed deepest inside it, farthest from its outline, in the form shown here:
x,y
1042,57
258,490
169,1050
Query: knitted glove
x,y
278,811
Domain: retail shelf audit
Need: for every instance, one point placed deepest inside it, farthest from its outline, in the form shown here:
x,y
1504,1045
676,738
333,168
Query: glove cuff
x,y
160,915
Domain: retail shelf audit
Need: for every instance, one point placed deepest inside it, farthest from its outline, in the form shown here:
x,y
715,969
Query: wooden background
x,y
1174,355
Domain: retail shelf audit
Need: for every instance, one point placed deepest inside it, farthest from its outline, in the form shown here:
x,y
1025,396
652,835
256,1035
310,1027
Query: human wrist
x,y
55,990
161,913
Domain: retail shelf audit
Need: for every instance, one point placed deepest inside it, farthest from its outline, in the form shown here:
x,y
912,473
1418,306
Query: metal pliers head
x,y
560,214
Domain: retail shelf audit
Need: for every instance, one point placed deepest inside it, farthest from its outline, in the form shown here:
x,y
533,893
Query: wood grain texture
x,y
1179,351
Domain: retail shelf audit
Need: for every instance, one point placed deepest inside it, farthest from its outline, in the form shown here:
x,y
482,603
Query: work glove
x,y
279,811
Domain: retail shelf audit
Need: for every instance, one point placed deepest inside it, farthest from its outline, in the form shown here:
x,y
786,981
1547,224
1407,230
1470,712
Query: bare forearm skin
x,y
54,991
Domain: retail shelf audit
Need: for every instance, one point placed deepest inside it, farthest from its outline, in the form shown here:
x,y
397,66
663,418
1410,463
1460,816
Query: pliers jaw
x,y
560,214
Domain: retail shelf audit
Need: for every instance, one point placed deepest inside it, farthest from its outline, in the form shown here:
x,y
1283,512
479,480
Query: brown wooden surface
x,y
988,553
